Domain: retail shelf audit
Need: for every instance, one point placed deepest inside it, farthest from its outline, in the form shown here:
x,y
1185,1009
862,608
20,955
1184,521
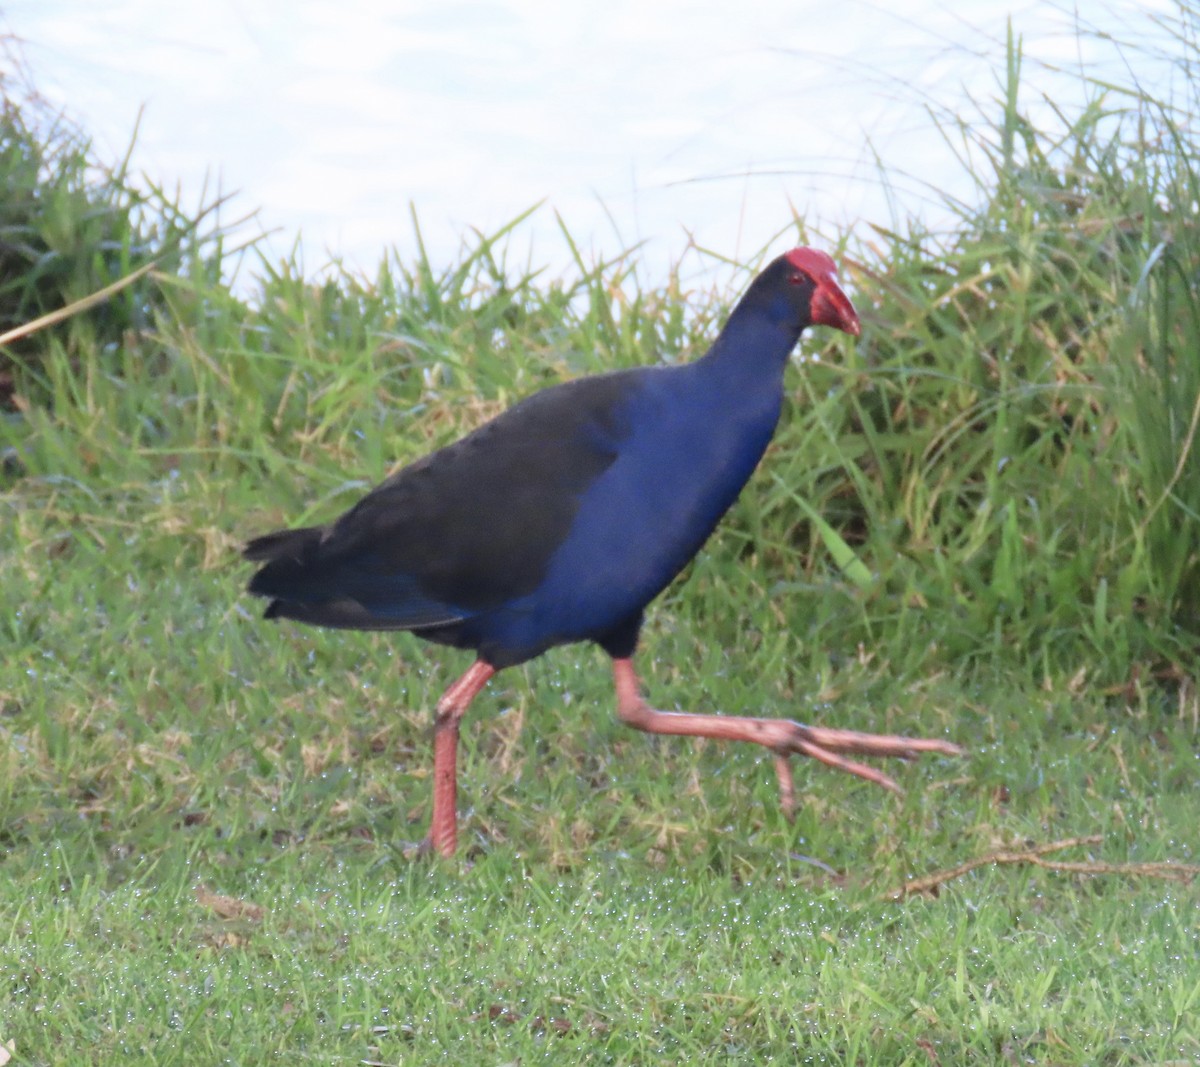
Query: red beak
x,y
832,307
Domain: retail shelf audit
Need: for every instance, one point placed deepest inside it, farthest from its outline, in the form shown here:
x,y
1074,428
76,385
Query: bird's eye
x,y
797,278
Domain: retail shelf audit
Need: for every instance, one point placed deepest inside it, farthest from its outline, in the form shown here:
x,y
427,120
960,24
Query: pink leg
x,y
782,736
443,828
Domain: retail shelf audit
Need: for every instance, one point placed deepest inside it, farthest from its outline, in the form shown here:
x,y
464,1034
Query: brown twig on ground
x,y
931,883
229,907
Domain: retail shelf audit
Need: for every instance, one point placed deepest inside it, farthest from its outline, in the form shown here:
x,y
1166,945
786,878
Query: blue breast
x,y
691,448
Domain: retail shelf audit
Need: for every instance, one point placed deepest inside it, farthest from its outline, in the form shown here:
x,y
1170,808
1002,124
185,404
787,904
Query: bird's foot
x,y
825,744
782,736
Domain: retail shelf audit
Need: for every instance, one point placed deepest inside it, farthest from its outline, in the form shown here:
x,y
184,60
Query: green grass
x,y
1004,474
646,897
353,962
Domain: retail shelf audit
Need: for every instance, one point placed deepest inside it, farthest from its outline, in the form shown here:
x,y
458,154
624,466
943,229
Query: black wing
x,y
463,530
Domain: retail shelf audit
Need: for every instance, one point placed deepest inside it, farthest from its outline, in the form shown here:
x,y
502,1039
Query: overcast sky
x,y
633,120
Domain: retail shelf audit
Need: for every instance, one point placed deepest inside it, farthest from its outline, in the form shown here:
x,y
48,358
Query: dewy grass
x,y
204,818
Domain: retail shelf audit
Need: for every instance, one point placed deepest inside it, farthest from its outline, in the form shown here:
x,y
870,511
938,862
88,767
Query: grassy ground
x,y
619,900
204,818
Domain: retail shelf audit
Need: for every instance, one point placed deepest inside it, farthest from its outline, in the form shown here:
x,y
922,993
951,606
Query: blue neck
x,y
751,352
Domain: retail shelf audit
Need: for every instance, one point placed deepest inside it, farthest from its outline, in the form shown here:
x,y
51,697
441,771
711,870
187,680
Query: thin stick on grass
x,y
931,883
76,306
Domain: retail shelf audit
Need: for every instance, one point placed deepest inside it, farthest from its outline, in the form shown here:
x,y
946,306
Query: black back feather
x,y
463,530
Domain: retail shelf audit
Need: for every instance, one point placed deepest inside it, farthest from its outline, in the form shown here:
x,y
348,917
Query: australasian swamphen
x,y
562,518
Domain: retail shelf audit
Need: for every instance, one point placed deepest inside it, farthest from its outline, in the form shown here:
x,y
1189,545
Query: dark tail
x,y
284,544
289,556
304,581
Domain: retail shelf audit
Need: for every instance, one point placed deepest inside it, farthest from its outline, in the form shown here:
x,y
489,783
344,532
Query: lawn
x,y
205,823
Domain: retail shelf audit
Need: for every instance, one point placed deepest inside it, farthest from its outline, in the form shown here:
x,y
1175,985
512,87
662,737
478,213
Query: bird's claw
x,y
824,744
